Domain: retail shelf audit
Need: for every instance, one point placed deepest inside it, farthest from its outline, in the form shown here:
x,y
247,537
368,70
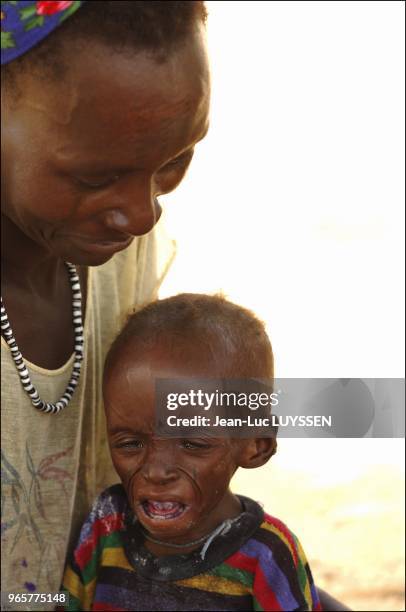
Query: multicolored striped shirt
x,y
258,564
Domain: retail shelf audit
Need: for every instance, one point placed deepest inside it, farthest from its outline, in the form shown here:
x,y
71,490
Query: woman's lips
x,y
102,246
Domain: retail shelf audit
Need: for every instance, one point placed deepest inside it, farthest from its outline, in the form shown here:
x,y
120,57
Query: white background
x,y
294,207
294,204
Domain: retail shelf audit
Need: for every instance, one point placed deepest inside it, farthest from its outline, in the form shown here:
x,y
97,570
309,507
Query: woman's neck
x,y
23,261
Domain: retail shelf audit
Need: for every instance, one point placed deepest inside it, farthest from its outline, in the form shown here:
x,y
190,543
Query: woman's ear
x,y
256,452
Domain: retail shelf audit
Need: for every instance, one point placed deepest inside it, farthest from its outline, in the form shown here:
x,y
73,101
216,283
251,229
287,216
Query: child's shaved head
x,y
185,336
231,337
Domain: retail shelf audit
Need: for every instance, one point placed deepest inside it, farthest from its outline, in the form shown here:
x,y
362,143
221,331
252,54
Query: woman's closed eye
x,y
177,165
97,183
181,160
168,177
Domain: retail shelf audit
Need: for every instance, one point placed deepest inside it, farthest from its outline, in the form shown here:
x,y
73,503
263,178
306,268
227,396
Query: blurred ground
x,y
351,523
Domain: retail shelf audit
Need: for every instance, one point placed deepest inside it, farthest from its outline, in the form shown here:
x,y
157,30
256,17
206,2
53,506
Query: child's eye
x,y
130,444
193,445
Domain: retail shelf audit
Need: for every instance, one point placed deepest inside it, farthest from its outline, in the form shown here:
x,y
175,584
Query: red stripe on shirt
x,y
263,592
101,527
105,606
271,520
243,562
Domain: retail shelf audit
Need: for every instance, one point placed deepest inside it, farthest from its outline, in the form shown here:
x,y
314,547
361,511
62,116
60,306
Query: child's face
x,y
178,488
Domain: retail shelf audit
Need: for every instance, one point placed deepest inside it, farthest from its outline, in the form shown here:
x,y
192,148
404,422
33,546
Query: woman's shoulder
x,y
130,279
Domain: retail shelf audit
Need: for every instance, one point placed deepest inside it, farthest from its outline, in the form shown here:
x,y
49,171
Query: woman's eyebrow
x,y
201,135
95,168
76,164
190,146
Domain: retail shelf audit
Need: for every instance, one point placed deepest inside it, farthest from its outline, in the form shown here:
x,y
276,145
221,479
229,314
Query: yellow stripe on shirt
x,y
281,536
216,584
73,584
115,557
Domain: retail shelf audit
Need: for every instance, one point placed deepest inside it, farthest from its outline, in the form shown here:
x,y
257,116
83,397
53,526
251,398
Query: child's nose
x,y
159,467
159,473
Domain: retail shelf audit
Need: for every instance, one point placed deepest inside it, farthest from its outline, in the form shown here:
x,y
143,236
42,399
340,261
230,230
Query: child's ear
x,y
257,452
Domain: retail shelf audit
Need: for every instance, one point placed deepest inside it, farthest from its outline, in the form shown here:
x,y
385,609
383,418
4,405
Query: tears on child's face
x,y
178,488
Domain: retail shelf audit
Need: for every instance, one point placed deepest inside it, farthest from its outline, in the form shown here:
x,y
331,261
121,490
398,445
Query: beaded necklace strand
x,y
22,370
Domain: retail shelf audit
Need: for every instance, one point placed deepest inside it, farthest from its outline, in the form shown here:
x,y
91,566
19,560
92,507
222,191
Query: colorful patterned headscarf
x,y
25,24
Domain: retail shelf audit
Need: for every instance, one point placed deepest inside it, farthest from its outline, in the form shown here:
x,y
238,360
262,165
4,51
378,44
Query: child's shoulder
x,y
107,514
273,536
114,495
100,539
276,531
276,526
282,577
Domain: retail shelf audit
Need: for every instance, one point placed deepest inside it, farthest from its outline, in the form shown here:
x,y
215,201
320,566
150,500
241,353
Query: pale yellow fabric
x,y
54,466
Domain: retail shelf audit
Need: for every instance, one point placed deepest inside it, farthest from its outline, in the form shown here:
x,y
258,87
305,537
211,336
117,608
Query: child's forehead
x,y
191,355
167,357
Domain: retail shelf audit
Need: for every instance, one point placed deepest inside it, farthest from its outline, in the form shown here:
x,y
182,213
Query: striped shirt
x,y
258,564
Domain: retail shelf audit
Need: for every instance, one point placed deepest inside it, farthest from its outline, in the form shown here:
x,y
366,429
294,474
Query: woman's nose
x,y
133,212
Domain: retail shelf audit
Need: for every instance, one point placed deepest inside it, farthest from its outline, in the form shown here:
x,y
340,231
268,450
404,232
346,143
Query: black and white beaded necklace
x,y
22,370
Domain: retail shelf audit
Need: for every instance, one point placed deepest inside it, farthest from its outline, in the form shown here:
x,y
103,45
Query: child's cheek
x,y
131,475
131,485
125,471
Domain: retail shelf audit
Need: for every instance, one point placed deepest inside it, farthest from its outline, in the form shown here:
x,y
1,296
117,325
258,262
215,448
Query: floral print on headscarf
x,y
25,24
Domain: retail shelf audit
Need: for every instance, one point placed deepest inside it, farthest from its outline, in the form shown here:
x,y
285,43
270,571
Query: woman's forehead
x,y
103,71
109,100
94,69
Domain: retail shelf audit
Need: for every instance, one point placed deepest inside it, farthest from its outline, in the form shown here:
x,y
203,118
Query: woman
x,y
102,107
100,116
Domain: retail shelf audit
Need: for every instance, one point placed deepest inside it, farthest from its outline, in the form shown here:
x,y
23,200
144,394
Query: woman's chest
x,y
42,325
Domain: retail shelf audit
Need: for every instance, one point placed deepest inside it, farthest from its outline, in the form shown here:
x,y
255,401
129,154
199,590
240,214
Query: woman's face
x,y
85,157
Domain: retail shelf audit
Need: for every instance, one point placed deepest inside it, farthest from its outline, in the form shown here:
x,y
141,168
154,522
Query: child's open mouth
x,y
163,510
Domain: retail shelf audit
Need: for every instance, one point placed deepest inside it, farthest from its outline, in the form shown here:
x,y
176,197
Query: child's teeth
x,y
164,505
163,510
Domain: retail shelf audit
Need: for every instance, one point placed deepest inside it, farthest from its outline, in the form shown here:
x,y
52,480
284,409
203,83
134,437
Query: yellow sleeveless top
x,y
53,466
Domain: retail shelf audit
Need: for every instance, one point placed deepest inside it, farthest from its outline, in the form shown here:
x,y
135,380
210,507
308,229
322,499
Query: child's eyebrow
x,y
113,431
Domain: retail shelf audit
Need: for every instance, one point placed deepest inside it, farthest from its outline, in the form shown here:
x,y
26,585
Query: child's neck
x,y
231,508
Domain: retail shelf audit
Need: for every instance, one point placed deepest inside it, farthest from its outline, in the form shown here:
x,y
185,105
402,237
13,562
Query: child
x,y
173,536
